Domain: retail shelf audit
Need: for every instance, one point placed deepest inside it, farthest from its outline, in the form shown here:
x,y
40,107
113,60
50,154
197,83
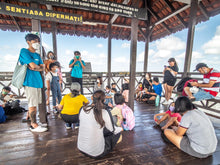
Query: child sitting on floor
x,y
173,118
122,114
138,90
108,97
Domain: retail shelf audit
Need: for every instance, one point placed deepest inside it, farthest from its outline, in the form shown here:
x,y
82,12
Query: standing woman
x,y
169,81
195,134
93,141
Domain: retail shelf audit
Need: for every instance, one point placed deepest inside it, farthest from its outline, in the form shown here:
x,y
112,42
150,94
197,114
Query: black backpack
x,y
182,83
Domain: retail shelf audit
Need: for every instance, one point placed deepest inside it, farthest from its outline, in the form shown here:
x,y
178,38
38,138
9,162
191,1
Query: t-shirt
x,y
168,74
157,89
77,69
33,78
125,93
49,76
116,111
200,131
174,115
213,75
72,105
91,139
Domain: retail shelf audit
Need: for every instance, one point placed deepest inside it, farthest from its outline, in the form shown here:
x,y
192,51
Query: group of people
x,y
109,114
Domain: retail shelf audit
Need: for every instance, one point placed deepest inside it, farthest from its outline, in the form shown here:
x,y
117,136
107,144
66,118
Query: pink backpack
x,y
128,115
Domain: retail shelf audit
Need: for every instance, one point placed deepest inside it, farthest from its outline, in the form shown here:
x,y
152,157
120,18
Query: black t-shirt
x,y
146,84
168,74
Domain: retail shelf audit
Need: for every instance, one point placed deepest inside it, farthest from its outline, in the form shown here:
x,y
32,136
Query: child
x,y
108,97
173,118
114,85
122,114
150,96
71,104
113,92
138,90
125,90
52,82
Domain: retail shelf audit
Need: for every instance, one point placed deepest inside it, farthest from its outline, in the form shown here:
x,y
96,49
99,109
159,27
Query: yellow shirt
x,y
72,105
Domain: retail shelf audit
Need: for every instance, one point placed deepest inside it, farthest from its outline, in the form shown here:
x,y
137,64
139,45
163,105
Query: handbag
x,y
19,75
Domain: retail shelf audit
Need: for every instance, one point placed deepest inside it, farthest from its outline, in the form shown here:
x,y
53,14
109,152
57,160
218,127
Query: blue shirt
x,y
77,69
157,89
33,78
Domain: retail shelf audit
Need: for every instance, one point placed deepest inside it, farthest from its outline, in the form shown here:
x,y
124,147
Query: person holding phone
x,y
77,65
169,81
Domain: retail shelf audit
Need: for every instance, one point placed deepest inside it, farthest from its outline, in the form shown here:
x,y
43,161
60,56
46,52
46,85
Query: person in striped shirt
x,y
210,88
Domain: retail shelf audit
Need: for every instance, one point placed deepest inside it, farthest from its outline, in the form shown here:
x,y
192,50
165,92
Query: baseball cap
x,y
200,65
77,53
75,86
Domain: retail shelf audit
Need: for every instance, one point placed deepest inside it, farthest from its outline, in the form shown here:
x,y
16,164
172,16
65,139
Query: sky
x,y
206,49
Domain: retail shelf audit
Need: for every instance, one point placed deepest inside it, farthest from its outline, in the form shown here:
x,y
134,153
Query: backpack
x,y
182,83
128,122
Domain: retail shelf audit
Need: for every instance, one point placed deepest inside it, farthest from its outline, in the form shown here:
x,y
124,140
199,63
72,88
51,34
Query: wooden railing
x,y
211,107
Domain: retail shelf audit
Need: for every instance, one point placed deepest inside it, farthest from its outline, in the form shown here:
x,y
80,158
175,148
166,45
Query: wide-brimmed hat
x,y
75,86
200,65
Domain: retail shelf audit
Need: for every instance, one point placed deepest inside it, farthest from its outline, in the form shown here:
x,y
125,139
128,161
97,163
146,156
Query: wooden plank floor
x,y
143,145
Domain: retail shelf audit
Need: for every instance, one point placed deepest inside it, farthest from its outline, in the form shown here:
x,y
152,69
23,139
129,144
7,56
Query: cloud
x,y
125,45
140,57
171,43
197,55
68,52
99,45
46,46
120,60
212,47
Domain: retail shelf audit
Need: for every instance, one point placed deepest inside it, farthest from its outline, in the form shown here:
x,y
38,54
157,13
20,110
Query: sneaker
x,y
76,125
43,124
38,129
68,126
165,102
55,111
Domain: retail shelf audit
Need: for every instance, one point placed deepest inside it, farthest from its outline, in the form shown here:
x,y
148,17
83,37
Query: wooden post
x,y
109,52
190,37
146,52
54,38
133,54
36,27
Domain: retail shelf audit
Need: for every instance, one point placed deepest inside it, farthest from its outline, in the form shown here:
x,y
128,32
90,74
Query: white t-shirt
x,y
49,76
91,139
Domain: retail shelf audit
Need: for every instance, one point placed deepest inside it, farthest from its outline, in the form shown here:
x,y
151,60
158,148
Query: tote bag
x,y
19,75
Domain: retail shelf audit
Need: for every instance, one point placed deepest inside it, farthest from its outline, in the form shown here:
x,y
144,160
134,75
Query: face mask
x,y
36,46
205,71
98,81
51,57
172,108
77,57
107,90
4,93
57,70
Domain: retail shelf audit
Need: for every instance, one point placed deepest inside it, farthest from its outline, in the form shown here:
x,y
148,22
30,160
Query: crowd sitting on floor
x,y
108,114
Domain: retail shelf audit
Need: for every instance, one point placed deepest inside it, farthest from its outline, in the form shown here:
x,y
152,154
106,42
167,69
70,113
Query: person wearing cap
x,y
71,104
77,65
210,86
169,81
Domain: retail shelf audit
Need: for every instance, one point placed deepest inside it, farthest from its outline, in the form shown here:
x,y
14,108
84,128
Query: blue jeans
x,y
202,95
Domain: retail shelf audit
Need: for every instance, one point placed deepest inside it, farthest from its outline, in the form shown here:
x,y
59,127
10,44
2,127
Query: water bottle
x,y
157,100
125,126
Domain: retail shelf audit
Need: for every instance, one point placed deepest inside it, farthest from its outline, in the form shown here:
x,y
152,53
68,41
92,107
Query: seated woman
x,y
93,141
71,104
200,140
173,118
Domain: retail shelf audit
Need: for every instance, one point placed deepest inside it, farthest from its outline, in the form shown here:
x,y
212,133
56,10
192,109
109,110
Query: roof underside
x,y
96,24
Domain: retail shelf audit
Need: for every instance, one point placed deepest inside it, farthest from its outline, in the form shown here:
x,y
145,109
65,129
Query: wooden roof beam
x,y
158,18
142,32
16,23
171,15
177,15
203,10
115,16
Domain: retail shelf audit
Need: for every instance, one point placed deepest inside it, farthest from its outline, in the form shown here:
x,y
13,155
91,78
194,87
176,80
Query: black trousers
x,y
79,80
70,118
